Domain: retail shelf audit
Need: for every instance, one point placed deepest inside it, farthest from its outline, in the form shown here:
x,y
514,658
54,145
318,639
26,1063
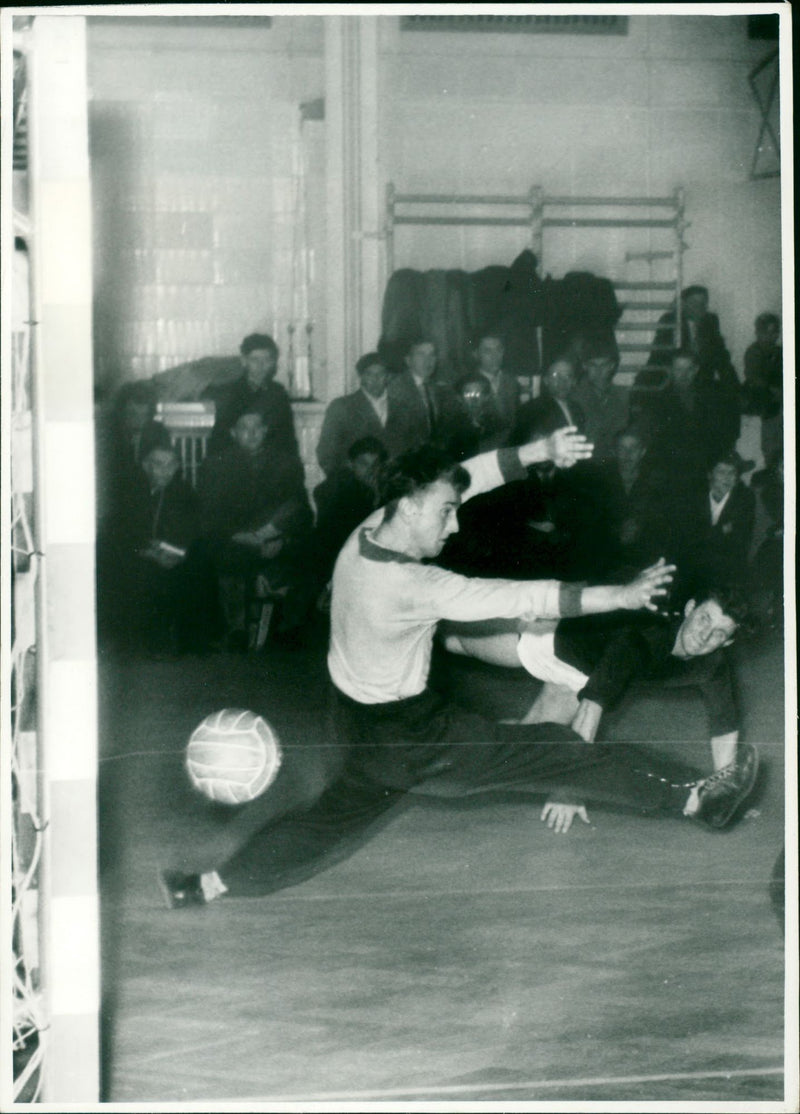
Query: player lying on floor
x,y
396,734
588,664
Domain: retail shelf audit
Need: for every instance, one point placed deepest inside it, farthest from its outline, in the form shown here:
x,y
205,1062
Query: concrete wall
x,y
193,133
666,105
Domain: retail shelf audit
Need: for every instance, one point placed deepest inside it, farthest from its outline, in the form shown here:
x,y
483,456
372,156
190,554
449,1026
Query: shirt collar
x,y
374,552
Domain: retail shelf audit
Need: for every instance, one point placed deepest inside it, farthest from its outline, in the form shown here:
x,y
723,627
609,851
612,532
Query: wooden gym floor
x,y
465,954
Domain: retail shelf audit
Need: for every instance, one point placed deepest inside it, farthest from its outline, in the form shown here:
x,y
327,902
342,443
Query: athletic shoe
x,y
181,890
721,794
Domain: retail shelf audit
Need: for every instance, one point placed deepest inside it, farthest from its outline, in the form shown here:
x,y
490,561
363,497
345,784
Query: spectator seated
x,y
344,500
254,389
256,524
486,429
371,411
503,403
604,403
717,523
555,407
143,592
762,392
635,497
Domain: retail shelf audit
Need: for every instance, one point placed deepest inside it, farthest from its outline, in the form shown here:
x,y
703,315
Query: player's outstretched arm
x,y
642,592
564,448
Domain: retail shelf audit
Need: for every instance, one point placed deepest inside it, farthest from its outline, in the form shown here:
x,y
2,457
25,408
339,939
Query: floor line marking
x,y
541,1084
399,894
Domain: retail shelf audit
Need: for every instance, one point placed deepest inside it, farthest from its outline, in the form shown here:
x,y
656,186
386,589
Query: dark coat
x,y
269,400
720,550
351,417
241,492
542,416
343,502
505,404
448,425
713,357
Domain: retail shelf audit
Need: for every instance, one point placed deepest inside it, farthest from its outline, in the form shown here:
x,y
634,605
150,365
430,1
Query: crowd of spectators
x,y
180,569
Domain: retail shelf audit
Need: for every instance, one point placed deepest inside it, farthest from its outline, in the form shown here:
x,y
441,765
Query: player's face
x,y
433,518
373,380
259,365
705,628
722,480
421,360
490,354
250,432
160,466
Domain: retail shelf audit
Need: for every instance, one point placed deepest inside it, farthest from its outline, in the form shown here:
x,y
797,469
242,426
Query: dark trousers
x,y
433,747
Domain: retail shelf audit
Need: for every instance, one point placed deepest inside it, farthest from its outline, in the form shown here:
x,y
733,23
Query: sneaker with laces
x,y
181,890
720,795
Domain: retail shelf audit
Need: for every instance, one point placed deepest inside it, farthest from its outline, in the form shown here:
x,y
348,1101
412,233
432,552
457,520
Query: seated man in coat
x,y
555,407
370,411
504,386
255,519
718,522
344,500
674,413
604,403
716,379
432,411
635,498
256,389
143,593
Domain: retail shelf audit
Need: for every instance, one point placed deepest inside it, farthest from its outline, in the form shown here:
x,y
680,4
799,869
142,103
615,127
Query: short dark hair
x,y
365,445
416,341
688,291
245,409
414,471
368,360
254,342
488,334
733,460
731,598
155,435
765,319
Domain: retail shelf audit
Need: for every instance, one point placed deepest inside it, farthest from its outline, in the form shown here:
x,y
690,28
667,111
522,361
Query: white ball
x,y
233,756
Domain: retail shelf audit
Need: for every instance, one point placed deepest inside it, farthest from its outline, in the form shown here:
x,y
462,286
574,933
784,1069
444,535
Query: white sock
x,y
692,802
212,885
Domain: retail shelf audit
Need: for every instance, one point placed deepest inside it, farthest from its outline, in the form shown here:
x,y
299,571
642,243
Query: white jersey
x,y
386,605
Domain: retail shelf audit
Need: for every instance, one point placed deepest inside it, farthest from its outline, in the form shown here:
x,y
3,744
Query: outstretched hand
x,y
566,447
559,817
648,586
